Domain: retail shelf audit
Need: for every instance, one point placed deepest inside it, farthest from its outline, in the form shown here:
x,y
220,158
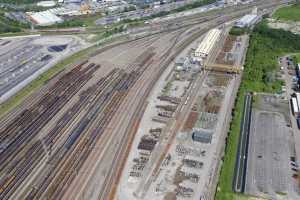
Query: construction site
x,y
144,118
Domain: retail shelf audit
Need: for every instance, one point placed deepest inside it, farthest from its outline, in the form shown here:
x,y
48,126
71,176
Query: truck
x,y
294,105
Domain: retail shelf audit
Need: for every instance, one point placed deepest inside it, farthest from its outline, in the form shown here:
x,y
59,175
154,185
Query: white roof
x,y
46,3
209,41
247,19
295,105
45,18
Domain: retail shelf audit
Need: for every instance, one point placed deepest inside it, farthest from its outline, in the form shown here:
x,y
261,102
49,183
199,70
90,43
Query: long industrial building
x,y
207,43
246,21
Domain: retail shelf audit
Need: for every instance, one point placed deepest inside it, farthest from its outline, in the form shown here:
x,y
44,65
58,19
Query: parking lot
x,y
271,150
22,60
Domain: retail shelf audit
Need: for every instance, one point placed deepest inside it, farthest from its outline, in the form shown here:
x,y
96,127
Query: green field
x,y
291,13
258,76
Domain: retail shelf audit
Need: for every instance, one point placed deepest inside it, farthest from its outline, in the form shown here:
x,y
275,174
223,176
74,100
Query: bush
x,y
238,31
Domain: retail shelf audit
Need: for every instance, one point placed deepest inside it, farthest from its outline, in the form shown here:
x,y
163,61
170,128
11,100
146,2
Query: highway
x,y
242,153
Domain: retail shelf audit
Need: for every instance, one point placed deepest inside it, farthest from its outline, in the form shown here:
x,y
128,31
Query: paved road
x,y
241,160
289,91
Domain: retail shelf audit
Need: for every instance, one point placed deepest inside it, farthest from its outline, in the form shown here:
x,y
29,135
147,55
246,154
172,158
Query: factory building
x,y
44,18
247,21
202,136
207,44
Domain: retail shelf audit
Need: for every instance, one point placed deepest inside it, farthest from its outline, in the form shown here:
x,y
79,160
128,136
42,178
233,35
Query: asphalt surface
x,y
270,150
18,64
241,159
289,91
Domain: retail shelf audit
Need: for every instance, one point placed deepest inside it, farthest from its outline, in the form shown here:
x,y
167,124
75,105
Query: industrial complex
x,y
138,104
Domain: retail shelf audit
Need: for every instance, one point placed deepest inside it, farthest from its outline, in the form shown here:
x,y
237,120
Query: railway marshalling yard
x,y
121,124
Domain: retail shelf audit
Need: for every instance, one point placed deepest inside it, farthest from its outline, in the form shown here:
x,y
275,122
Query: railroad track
x,y
242,154
52,191
108,184
21,148
14,153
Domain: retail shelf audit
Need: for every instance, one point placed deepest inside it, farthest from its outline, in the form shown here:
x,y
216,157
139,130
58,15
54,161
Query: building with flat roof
x,y
46,3
247,21
207,43
202,136
44,18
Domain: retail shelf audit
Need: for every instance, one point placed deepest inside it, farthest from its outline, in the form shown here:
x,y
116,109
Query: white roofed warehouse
x,y
44,18
247,21
207,43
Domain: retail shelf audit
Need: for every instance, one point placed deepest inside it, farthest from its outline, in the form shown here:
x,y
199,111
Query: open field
x,y
290,13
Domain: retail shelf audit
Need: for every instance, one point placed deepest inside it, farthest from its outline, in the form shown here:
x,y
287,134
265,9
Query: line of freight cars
x,y
17,147
78,146
108,93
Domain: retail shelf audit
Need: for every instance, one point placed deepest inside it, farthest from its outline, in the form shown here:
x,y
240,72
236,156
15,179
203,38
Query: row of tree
x,y
266,45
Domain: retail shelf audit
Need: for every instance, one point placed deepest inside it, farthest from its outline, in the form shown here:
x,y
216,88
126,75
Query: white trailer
x,y
298,99
295,106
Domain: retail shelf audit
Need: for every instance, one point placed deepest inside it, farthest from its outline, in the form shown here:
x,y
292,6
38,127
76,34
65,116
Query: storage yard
x,y
175,153
23,60
232,52
140,119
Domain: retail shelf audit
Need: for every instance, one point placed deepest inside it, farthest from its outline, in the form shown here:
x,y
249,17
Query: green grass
x,y
236,31
296,58
167,88
281,193
261,63
291,13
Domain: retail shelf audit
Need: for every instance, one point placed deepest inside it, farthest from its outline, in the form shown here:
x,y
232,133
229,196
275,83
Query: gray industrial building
x,y
203,136
247,21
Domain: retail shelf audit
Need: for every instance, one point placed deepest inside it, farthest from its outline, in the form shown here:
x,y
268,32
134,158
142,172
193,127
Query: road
x,y
241,159
289,92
